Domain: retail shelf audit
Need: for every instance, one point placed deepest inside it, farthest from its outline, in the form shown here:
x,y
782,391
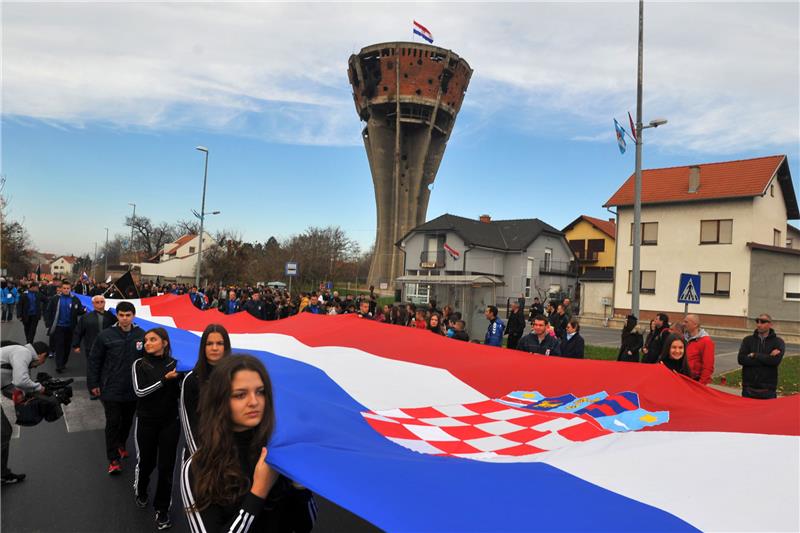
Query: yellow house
x,y
593,241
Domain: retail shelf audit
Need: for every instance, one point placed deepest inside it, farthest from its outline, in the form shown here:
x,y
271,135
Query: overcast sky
x,y
103,104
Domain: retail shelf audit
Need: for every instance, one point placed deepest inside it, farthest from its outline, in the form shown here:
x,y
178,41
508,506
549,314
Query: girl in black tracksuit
x,y
156,384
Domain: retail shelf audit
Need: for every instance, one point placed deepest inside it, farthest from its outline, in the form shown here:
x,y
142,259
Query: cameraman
x,y
15,364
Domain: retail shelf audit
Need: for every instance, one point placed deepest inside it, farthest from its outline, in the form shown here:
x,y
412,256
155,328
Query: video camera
x,y
58,388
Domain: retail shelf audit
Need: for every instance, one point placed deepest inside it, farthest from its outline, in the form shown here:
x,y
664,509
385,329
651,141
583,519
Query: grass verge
x,y
788,377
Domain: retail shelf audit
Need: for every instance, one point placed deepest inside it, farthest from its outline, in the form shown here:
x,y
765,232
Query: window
x,y
418,293
548,259
791,287
649,233
578,246
772,190
594,247
528,277
647,281
716,231
776,237
191,249
715,283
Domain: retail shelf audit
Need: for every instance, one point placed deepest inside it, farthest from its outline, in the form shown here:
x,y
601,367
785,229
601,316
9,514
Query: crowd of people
x,y
224,407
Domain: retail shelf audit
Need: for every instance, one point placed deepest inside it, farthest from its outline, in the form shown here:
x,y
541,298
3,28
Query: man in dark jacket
x,y
231,304
538,341
61,318
255,306
91,324
760,355
559,321
651,351
108,376
29,310
516,326
536,309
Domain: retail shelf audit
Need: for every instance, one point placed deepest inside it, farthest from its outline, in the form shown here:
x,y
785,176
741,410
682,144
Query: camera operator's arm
x,y
21,376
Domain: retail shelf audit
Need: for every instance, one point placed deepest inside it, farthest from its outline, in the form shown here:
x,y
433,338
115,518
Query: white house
x,y
727,222
176,261
63,266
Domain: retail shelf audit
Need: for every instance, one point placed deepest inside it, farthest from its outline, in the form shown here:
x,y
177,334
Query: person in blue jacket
x,y
494,334
10,297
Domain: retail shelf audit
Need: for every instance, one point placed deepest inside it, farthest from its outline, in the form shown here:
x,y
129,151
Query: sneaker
x,y
141,502
114,468
11,478
162,520
123,453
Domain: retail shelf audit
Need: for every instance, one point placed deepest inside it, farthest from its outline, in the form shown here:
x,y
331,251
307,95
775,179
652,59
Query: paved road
x,y
67,488
726,349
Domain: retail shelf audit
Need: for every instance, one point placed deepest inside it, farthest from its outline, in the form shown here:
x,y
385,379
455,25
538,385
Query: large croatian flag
x,y
417,432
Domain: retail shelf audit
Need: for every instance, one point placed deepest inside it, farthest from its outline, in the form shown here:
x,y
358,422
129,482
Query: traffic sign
x,y
291,269
689,289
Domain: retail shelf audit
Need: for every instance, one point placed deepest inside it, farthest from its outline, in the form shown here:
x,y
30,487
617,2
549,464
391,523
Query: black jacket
x,y
89,327
286,508
655,345
573,347
760,372
559,323
631,342
516,323
158,396
255,308
76,309
109,364
549,346
190,397
24,305
536,309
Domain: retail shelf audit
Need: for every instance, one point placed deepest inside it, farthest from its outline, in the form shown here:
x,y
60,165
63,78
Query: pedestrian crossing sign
x,y
689,289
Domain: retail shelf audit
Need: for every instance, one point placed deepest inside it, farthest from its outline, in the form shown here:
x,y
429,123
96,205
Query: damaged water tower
x,y
408,95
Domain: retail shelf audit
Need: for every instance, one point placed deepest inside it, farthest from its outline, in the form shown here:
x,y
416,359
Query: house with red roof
x,y
63,266
727,222
593,241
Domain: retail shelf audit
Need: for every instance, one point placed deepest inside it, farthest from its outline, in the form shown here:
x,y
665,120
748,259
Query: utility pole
x,y
637,187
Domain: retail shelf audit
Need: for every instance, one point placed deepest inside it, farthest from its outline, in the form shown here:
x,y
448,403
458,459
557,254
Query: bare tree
x,y
15,243
187,227
149,238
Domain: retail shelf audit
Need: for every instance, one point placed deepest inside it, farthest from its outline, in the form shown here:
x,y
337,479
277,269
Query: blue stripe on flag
x,y
416,31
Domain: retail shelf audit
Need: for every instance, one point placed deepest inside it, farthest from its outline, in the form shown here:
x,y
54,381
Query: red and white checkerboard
x,y
487,430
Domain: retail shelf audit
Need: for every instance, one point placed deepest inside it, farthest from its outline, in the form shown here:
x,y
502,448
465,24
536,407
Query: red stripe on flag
x,y
423,28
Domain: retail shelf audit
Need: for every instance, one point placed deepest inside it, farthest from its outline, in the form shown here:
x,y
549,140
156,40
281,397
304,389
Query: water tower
x,y
408,95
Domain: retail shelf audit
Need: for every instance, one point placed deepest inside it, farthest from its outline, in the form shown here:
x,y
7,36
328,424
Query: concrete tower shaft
x,y
409,95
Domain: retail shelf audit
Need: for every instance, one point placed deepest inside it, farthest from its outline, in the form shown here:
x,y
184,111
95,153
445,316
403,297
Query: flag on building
x,y
455,254
423,32
620,136
397,425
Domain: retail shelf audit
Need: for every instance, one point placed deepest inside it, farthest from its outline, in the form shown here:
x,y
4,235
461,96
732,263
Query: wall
x,y
415,245
769,213
766,294
583,230
592,293
679,250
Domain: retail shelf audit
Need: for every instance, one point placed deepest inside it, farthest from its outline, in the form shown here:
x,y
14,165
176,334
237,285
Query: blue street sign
x,y
291,269
689,289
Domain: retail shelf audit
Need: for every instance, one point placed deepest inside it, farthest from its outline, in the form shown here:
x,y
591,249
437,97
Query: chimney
x,y
612,220
694,178
485,219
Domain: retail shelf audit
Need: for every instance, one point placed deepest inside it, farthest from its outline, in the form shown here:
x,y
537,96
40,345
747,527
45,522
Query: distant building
x,y
176,261
792,237
62,267
471,264
593,241
726,221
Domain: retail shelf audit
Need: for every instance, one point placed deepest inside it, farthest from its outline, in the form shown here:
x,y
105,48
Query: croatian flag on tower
x,y
416,432
423,32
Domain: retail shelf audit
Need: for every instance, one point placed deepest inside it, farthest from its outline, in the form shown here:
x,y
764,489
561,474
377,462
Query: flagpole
x,y
637,198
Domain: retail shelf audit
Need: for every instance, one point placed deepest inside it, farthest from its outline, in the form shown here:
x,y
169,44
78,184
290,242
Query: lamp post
x,y
105,256
202,217
637,183
130,244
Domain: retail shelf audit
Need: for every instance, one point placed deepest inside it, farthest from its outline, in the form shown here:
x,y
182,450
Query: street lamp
x,y
202,216
637,187
105,256
130,244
